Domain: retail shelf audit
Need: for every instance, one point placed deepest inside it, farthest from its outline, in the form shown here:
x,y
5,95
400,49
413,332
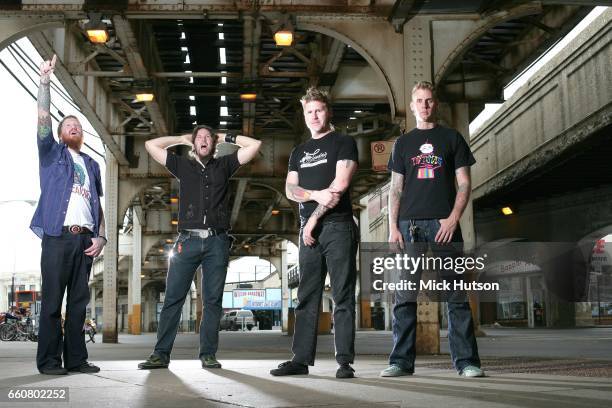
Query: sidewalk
x,y
247,357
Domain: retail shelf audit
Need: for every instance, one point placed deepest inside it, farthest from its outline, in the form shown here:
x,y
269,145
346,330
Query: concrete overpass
x,y
367,53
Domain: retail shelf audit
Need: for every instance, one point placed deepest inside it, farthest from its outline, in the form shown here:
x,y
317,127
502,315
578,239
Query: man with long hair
x,y
203,240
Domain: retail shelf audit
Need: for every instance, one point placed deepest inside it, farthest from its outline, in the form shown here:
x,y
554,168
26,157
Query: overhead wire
x,y
35,98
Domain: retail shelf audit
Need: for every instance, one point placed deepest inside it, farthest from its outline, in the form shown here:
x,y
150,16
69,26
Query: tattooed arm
x,y
44,132
299,194
449,225
395,194
344,173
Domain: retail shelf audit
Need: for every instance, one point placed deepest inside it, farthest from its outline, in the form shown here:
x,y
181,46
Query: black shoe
x,y
86,368
345,371
290,368
53,371
154,361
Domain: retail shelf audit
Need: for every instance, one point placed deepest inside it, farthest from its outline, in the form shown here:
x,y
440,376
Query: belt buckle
x,y
75,229
204,233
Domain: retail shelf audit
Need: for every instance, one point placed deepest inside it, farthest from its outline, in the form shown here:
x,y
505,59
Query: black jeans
x,y
63,264
335,252
189,253
463,348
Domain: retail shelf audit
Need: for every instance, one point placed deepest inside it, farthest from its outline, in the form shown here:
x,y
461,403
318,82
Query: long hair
x,y
213,133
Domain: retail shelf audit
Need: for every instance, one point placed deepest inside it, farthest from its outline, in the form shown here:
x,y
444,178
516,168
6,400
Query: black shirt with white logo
x,y
203,190
315,161
428,159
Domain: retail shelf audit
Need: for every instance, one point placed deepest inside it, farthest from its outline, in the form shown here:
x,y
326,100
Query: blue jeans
x,y
189,252
335,252
463,348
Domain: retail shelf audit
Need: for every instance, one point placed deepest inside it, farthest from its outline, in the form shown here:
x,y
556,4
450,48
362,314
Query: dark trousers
x,y
335,252
189,253
63,265
463,347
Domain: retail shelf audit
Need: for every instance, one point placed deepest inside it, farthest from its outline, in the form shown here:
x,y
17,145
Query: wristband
x,y
104,238
230,137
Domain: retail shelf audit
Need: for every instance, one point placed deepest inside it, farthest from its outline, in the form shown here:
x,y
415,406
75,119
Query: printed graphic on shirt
x,y
313,159
426,162
78,185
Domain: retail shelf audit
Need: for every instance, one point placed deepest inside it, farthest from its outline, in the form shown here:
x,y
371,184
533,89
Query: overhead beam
x,y
46,50
240,189
136,62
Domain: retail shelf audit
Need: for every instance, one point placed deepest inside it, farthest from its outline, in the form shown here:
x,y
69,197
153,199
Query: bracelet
x,y
230,137
104,238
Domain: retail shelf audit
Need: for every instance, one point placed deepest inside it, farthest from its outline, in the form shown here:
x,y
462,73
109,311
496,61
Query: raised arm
x,y
395,194
44,103
248,147
157,147
464,186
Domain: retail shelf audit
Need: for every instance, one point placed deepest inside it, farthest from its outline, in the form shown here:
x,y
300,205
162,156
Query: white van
x,y
237,319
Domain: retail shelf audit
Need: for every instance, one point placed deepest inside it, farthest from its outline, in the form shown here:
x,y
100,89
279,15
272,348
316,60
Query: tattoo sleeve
x,y
44,108
319,211
297,193
463,191
395,194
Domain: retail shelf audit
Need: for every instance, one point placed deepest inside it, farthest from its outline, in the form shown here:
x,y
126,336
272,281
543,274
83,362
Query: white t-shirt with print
x,y
79,207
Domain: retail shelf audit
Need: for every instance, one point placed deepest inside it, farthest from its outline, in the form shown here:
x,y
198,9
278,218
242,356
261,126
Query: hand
x,y
97,244
307,232
220,138
447,229
395,237
47,67
327,197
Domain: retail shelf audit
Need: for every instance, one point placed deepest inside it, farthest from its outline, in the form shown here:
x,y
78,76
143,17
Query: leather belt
x,y
76,229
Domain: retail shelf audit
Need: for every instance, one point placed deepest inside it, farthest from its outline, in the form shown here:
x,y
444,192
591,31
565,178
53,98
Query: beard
x,y
73,142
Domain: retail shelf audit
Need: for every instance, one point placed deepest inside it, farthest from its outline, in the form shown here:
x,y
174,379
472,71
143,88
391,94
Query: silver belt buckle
x,y
204,233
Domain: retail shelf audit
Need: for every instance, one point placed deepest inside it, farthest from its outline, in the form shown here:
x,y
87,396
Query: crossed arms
x,y
327,198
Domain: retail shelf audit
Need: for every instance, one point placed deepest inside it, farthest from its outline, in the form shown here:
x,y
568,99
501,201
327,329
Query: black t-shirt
x,y
203,190
315,161
428,160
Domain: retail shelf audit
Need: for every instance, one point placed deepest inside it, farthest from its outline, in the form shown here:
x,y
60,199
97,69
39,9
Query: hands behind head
x,y
47,67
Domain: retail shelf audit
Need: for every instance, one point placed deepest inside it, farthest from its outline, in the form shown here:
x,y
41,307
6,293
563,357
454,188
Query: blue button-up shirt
x,y
56,169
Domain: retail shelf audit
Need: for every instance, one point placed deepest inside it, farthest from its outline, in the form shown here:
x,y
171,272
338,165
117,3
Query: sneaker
x,y
394,371
210,361
154,361
86,368
472,371
290,368
345,371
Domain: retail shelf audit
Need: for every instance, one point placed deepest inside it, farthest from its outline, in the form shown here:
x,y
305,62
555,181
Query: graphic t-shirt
x,y
315,161
428,159
79,207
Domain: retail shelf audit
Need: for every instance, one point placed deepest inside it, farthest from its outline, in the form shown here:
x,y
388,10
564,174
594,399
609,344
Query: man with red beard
x,y
70,221
204,216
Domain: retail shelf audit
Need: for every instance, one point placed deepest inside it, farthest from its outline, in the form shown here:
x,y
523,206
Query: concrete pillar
x,y
418,67
186,313
199,299
285,292
529,300
110,251
134,279
92,301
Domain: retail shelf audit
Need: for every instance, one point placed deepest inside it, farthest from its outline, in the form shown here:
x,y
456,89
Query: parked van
x,y
237,319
